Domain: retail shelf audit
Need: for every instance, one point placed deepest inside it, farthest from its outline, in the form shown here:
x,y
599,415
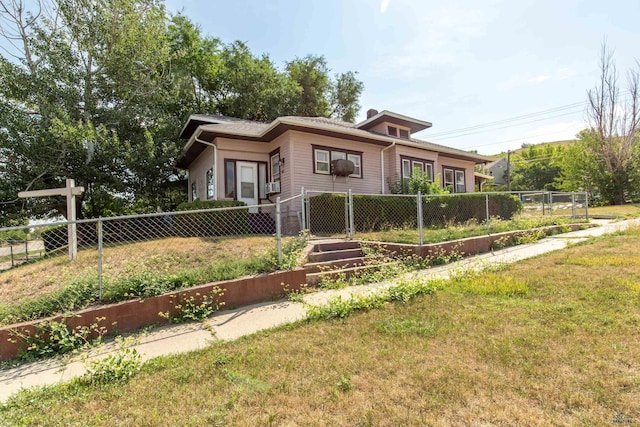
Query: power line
x,y
511,119
471,130
508,126
516,139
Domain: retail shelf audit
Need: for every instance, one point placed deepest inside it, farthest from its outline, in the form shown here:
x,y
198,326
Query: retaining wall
x,y
135,314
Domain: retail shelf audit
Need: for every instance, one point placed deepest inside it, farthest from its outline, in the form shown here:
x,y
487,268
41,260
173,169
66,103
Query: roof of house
x,y
416,125
201,128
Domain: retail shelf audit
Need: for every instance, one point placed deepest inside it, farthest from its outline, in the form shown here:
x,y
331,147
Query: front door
x,y
248,183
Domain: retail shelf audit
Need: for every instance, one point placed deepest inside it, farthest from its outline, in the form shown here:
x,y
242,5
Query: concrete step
x,y
335,246
314,267
313,279
334,255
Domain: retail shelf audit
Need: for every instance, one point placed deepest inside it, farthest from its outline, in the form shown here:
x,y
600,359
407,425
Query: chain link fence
x,y
405,218
144,255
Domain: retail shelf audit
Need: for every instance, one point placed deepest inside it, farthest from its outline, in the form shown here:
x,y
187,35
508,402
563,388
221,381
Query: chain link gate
x,y
328,214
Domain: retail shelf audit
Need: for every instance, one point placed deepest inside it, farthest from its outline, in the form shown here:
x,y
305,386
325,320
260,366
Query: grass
x,y
549,341
631,210
461,231
142,269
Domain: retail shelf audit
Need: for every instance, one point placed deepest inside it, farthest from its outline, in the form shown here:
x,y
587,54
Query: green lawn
x,y
554,340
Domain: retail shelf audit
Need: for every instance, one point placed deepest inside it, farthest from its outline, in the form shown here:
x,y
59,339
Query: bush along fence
x,y
348,214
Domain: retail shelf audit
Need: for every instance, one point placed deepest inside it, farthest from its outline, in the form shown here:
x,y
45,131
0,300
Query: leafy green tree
x,y
322,96
537,168
97,90
72,89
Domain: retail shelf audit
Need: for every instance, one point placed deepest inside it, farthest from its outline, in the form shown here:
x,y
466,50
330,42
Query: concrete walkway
x,y
233,324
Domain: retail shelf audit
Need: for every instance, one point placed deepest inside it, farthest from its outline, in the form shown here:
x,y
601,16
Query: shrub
x,y
214,223
195,308
439,211
379,213
51,338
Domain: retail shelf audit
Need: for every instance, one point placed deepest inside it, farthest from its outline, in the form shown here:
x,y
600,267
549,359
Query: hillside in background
x,y
564,143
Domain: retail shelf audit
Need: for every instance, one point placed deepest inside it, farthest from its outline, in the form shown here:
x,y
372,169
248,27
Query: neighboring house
x,y
233,159
498,170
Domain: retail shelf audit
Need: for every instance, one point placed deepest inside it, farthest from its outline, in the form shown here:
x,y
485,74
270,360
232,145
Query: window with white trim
x,y
392,130
357,167
338,155
324,156
322,164
194,192
448,178
460,182
275,167
211,185
416,167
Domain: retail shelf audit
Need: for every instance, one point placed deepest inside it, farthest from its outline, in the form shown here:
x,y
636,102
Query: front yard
x,y
550,341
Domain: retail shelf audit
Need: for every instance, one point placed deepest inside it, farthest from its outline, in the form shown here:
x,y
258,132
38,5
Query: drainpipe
x,y
215,160
382,165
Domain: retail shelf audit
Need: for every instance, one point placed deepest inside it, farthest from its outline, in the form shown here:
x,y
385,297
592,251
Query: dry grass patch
x,y
623,211
163,255
560,350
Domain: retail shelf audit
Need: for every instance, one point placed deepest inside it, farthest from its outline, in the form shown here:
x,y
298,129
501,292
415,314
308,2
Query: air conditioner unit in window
x,y
272,187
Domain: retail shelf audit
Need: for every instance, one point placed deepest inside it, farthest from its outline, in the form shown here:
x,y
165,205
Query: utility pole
x,y
508,170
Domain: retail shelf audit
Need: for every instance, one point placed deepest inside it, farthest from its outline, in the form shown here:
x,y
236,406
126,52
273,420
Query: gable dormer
x,y
392,124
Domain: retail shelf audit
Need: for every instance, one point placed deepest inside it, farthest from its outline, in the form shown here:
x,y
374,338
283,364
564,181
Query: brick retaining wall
x,y
135,314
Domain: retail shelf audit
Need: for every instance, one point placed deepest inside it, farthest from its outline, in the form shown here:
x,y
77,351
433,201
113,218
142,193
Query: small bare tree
x,y
614,122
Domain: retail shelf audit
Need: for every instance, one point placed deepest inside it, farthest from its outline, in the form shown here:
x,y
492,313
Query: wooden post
x,y
70,191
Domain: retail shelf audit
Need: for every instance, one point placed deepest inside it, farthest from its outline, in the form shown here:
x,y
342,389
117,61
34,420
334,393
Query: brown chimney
x,y
371,112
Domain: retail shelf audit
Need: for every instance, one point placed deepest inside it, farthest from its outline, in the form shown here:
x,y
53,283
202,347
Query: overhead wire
x,y
511,119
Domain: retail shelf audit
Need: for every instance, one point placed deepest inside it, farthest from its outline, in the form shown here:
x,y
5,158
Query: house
x,y
256,162
498,170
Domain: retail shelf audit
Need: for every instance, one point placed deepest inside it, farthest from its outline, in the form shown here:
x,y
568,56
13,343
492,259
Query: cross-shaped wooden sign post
x,y
71,192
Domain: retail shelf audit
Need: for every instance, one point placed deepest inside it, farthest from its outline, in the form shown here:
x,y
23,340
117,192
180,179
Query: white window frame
x,y
389,131
451,183
194,191
419,165
357,165
428,169
317,161
274,163
406,168
210,181
338,155
463,185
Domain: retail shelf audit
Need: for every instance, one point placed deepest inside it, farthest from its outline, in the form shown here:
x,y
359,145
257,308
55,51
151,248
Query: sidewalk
x,y
233,324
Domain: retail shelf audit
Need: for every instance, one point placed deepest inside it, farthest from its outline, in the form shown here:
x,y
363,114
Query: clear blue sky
x,y
457,63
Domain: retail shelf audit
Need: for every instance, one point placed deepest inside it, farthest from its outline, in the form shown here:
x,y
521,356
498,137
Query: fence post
x,y
100,259
11,249
542,204
278,231
26,250
351,220
550,203
586,205
573,205
420,220
303,215
307,211
486,199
